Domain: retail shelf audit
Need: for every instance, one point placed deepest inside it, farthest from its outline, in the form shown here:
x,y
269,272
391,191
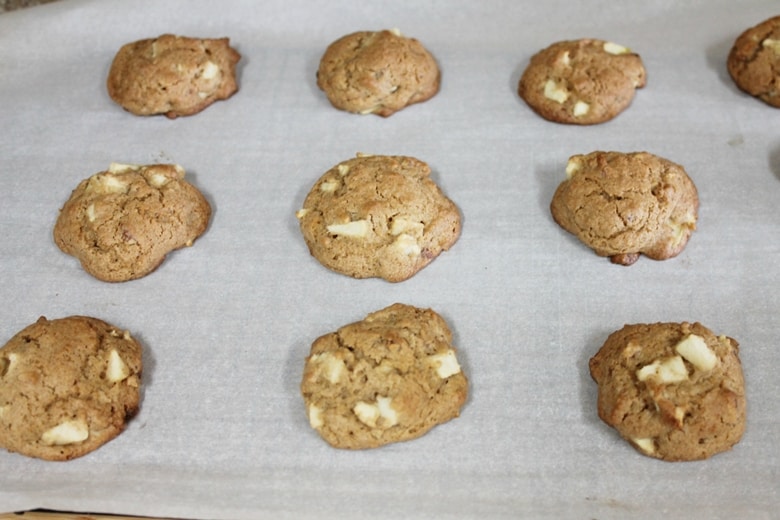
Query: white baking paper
x,y
226,325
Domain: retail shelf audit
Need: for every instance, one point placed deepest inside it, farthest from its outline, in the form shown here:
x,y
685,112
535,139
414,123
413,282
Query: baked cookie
x,y
675,391
67,387
622,205
389,378
754,61
121,223
581,82
172,75
378,216
377,72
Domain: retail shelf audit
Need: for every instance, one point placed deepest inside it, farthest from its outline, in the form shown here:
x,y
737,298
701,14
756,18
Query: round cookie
x,y
581,82
377,72
121,223
675,391
378,216
172,75
754,61
622,205
388,378
67,387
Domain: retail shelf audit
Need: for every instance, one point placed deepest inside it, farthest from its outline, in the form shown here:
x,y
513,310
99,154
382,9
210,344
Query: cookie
x,y
377,72
378,216
622,205
582,82
754,61
388,378
121,223
67,386
675,391
172,75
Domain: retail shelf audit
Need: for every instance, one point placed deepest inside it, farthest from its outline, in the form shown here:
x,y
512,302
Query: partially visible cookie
x,y
172,75
754,61
388,378
622,205
377,72
121,223
378,216
674,390
582,82
67,387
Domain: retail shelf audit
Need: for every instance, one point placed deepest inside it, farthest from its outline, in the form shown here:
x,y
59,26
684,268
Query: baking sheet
x,y
226,324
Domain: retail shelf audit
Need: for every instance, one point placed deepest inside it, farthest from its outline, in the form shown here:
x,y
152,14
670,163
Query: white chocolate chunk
x,y
301,213
774,45
695,350
315,417
670,370
117,369
331,366
380,415
405,225
614,48
446,364
104,183
356,229
343,169
566,59
581,108
645,444
330,185
123,168
572,167
68,432
3,410
7,364
407,245
555,92
91,213
396,31
210,70
158,180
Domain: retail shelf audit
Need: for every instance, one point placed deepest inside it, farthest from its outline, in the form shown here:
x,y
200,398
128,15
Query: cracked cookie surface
x,y
378,216
754,61
675,391
172,75
67,386
622,205
377,72
388,378
121,223
582,82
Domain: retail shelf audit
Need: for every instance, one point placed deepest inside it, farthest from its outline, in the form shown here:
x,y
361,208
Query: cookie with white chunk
x,y
582,82
622,205
377,72
172,75
67,386
388,378
121,223
378,216
754,61
675,391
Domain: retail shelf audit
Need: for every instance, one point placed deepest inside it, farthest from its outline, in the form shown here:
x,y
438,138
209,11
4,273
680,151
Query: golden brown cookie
x,y
121,223
675,391
388,378
622,205
754,61
172,75
582,82
67,387
377,72
378,216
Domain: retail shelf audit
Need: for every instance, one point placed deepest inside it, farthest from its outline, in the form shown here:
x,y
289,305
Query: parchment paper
x,y
226,324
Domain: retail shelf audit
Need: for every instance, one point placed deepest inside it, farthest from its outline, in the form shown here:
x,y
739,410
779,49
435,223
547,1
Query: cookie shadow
x,y
774,161
588,388
293,372
717,56
149,364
